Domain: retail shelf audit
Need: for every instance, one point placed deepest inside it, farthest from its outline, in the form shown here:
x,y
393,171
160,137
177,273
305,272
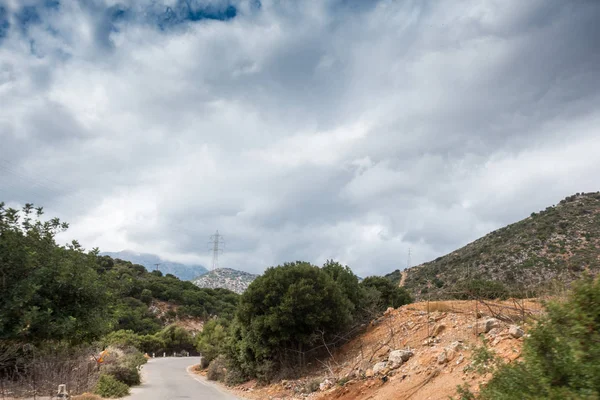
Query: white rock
x,y
397,357
487,325
515,331
380,366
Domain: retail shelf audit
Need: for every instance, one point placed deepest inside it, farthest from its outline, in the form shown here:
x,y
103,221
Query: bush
x,y
390,295
561,357
481,289
126,374
108,386
212,340
281,314
217,369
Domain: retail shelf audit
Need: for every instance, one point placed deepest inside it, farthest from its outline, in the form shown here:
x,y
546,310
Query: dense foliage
x,y
48,292
53,293
561,358
389,295
286,311
295,312
289,315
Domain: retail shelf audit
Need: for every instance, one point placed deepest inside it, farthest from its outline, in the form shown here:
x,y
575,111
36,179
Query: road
x,y
168,379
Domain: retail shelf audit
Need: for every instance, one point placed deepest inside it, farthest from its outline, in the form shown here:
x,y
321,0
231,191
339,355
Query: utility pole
x,y
408,260
157,264
216,245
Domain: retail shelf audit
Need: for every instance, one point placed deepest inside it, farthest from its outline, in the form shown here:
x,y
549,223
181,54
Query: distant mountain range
x,y
184,272
227,278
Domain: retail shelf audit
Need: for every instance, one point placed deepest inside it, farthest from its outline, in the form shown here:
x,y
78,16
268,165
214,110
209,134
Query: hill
x,y
556,244
182,271
226,278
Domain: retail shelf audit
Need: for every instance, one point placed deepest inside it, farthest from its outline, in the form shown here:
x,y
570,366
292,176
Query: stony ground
x,y
411,353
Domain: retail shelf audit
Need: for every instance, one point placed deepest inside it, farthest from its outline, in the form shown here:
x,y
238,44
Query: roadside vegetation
x,y
561,356
63,303
291,315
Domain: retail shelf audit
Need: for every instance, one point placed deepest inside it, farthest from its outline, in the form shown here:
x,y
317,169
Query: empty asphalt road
x,y
168,379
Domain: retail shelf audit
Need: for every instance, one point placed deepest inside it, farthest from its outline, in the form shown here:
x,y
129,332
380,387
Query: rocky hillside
x,y
227,278
409,354
556,244
184,272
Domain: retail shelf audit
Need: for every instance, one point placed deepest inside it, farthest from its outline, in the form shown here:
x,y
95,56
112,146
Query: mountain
x,y
555,245
234,280
182,271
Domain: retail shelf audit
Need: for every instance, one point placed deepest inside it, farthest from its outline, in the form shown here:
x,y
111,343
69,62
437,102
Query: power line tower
x,y
408,259
157,264
216,245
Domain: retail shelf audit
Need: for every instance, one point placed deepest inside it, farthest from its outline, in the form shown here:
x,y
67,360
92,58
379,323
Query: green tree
x,y
213,339
48,292
284,312
346,280
389,295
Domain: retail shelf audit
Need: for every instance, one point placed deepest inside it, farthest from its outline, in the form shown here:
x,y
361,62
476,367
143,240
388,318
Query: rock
x,y
379,367
388,311
369,373
326,384
494,332
515,331
487,325
397,357
456,346
438,329
460,359
450,354
442,358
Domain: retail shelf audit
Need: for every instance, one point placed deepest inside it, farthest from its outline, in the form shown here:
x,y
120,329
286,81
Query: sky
x,y
301,130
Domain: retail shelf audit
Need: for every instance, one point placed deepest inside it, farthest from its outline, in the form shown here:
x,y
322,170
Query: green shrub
x,y
110,387
212,340
561,358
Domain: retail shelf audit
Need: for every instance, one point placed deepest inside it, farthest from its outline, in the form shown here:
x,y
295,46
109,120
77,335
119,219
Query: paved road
x,y
168,379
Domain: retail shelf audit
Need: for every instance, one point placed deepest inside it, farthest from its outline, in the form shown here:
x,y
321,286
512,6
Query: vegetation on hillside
x,y
556,244
290,315
561,356
54,296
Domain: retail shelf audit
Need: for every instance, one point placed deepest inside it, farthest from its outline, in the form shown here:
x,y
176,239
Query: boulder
x,y
379,367
397,357
442,358
388,311
438,329
487,325
516,331
456,346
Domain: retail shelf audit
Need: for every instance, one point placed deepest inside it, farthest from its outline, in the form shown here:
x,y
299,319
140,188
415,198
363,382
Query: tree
x,y
346,280
286,311
390,295
213,339
48,292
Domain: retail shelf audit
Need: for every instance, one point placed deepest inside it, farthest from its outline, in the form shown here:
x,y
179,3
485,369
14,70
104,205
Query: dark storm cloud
x,y
300,130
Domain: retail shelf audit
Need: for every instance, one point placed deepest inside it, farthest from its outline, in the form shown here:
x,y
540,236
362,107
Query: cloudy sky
x,y
352,130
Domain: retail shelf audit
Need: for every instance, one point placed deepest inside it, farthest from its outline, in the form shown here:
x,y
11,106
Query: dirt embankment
x,y
419,351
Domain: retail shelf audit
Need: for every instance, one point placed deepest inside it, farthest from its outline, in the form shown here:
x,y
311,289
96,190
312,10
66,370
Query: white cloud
x,y
300,130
